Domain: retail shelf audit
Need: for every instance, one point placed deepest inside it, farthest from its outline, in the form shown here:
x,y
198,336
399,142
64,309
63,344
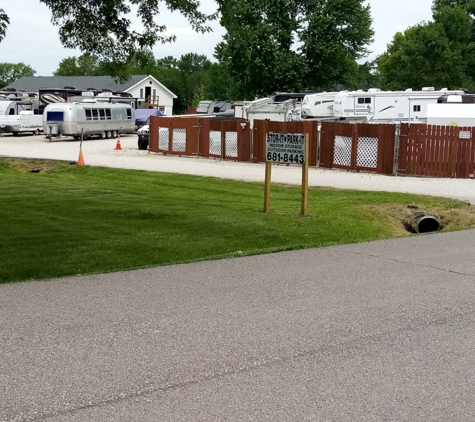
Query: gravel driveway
x,y
102,153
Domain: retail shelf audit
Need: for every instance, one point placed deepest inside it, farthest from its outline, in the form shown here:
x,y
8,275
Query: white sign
x,y
287,148
464,134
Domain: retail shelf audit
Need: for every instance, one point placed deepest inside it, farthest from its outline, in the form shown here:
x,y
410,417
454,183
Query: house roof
x,y
34,83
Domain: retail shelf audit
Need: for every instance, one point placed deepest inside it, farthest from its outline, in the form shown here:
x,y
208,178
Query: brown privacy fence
x,y
437,151
358,147
389,149
205,137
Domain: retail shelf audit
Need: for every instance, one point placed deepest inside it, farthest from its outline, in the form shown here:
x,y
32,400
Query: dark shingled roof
x,y
34,83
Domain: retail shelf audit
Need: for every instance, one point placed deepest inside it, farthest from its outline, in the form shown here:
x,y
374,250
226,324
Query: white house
x,y
147,89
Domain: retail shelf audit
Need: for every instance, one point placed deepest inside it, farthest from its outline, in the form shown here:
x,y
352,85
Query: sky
x,y
33,40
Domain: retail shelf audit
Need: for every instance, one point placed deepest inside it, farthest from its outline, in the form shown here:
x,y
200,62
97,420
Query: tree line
x,y
269,46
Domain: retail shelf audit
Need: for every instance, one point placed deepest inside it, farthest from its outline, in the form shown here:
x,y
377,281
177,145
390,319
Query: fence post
x,y
397,137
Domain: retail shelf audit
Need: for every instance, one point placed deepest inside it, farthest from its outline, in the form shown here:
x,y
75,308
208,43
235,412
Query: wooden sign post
x,y
287,148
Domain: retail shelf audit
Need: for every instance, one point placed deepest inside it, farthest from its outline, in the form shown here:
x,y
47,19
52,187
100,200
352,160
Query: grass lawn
x,y
67,220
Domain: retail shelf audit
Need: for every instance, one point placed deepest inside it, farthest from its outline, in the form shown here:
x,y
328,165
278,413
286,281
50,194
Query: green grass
x,y
70,220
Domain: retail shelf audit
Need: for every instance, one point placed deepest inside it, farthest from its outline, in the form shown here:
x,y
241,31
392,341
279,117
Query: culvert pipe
x,y
426,224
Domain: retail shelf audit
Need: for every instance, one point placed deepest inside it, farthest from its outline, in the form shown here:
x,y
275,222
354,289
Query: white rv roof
x,y
4,106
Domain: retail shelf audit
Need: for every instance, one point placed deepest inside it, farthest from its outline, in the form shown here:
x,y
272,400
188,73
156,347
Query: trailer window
x,y
364,100
417,108
54,116
88,113
129,113
95,115
102,114
108,114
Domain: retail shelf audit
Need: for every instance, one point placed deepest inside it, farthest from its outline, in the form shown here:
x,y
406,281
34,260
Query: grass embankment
x,y
66,220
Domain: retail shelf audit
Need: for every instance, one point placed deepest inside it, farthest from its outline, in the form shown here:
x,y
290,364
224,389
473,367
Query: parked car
x,y
143,136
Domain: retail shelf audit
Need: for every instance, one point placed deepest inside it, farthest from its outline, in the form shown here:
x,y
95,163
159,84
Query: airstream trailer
x,y
105,120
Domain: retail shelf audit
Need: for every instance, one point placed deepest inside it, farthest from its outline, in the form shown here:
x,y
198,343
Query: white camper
x,y
318,105
278,112
451,114
25,122
376,106
105,120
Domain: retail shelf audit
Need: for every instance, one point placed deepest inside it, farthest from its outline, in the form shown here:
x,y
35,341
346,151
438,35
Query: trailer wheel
x,y
103,135
114,134
76,138
109,134
15,133
37,132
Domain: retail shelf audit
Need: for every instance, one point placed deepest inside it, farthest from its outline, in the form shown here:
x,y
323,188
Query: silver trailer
x,y
90,118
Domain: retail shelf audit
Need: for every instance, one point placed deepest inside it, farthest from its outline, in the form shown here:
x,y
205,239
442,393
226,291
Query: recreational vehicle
x,y
72,95
376,106
20,116
25,122
318,105
105,120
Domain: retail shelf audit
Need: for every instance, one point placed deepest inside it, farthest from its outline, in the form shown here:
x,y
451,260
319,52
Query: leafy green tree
x,y
103,27
84,65
292,44
221,84
440,53
4,21
10,72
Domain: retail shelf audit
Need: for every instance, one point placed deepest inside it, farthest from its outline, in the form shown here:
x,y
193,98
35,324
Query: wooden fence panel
x,y
365,147
437,151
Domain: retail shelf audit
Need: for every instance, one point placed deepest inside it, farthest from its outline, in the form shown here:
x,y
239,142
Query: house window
x,y
417,108
162,109
141,92
154,93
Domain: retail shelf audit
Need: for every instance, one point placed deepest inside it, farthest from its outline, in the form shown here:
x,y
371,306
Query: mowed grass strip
x,y
66,220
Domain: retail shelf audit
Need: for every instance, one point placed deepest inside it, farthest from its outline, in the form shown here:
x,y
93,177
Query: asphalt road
x,y
382,331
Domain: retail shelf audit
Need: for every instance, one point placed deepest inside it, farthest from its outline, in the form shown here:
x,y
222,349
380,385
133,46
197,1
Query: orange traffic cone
x,y
117,145
81,158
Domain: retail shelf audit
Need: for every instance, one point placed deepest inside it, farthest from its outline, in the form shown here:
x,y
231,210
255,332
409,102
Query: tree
x,y
440,53
10,72
4,21
84,65
103,27
292,44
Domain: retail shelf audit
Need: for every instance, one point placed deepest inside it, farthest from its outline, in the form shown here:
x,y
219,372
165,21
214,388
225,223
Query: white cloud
x,y
32,39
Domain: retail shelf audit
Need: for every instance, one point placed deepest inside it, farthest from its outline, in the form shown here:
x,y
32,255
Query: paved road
x,y
102,153
382,331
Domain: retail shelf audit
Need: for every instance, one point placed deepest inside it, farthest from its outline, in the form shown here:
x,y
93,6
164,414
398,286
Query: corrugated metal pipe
x,y
426,223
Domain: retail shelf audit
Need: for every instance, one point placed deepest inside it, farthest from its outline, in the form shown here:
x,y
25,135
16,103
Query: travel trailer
x,y
25,122
72,95
451,114
376,106
14,107
90,118
280,107
318,105
452,110
20,116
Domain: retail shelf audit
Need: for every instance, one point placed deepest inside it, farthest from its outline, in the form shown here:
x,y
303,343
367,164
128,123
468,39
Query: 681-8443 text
x,y
278,157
